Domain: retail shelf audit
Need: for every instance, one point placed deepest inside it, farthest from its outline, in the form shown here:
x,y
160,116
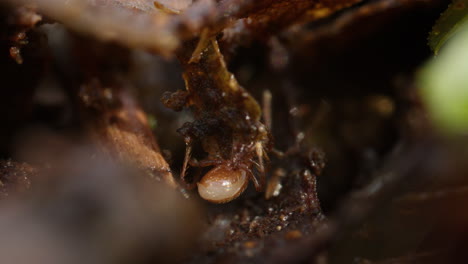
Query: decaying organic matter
x,y
114,110
227,118
15,178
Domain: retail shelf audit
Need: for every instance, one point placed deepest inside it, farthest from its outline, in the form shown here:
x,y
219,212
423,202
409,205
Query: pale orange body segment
x,y
222,184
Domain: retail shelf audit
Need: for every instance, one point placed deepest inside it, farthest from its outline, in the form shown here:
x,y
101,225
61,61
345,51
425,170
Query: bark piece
x,y
122,128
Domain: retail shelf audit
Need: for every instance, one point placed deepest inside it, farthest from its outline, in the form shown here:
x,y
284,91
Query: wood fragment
x,y
121,127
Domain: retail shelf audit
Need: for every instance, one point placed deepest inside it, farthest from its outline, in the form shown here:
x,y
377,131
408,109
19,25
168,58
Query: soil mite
x,y
229,178
227,126
222,184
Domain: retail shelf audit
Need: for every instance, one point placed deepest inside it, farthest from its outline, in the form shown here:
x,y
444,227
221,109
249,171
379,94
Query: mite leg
x,y
257,184
259,152
261,166
267,109
187,162
188,153
278,153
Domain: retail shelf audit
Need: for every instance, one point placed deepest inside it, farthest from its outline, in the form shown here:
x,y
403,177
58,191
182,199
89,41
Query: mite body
x,y
222,184
229,178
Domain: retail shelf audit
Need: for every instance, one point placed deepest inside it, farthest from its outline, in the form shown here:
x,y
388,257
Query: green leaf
x,y
448,24
444,85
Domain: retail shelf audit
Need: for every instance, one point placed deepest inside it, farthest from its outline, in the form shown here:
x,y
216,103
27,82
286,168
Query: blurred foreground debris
x,y
15,178
142,24
93,210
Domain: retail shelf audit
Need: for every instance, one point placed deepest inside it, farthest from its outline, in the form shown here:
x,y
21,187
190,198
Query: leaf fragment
x,y
449,24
